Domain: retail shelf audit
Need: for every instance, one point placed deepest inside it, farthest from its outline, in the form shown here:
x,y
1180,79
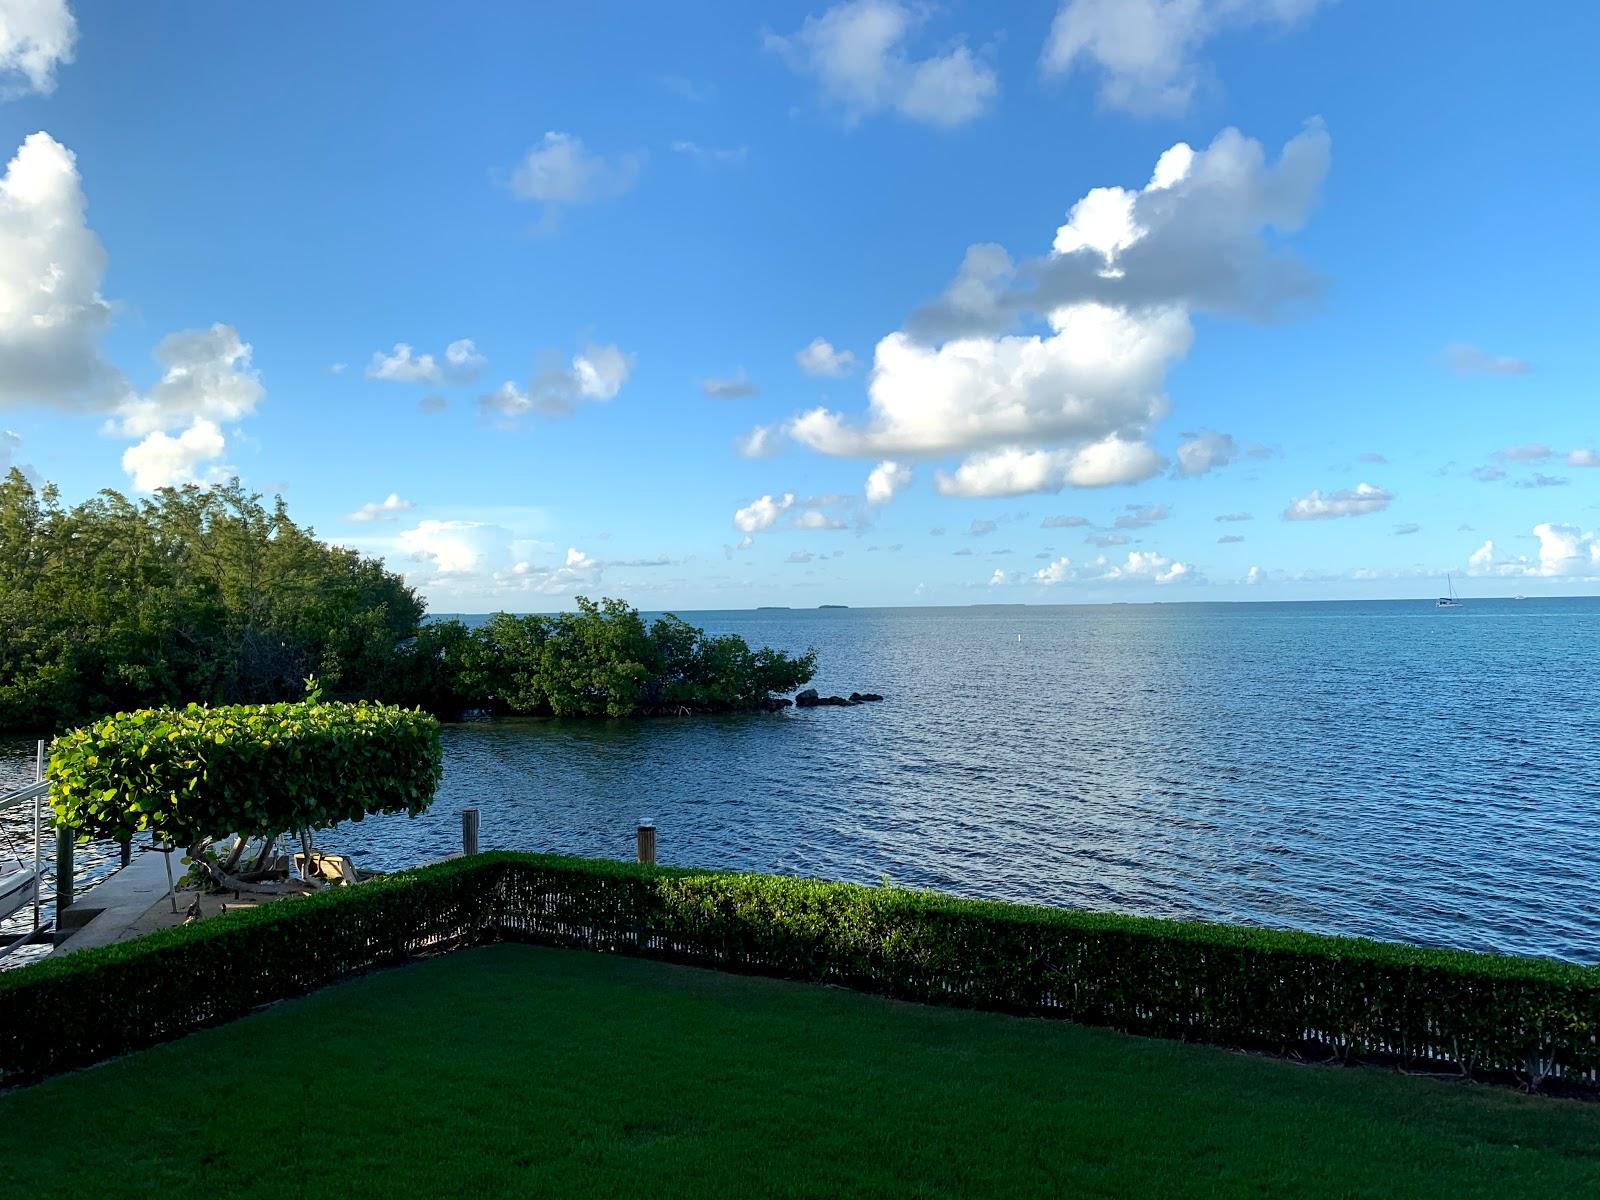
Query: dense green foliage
x,y
193,595
517,1071
207,596
603,660
195,773
1492,1015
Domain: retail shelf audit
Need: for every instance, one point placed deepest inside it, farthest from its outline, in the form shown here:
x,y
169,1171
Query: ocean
x,y
1375,768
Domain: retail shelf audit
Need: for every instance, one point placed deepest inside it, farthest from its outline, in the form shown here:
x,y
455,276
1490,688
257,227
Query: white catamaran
x,y
1450,601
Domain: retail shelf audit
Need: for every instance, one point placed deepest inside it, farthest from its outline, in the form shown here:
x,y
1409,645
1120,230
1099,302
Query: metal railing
x,y
36,793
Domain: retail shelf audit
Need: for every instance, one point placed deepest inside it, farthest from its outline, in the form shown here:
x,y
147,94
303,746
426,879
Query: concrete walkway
x,y
116,909
134,901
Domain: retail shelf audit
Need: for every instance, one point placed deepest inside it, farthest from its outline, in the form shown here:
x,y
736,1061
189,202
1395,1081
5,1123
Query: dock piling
x,y
65,845
647,842
469,831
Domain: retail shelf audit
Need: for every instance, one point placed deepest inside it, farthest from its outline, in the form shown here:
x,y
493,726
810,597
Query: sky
x,y
716,305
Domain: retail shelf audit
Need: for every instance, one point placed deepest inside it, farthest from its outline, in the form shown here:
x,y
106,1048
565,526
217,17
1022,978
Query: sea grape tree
x,y
193,776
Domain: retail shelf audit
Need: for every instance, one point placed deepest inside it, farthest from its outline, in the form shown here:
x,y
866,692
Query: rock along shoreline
x,y
810,699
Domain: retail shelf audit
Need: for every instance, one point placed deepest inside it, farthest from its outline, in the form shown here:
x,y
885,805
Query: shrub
x,y
192,774
1346,997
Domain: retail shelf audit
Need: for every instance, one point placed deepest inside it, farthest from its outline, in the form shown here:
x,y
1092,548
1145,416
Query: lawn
x,y
516,1071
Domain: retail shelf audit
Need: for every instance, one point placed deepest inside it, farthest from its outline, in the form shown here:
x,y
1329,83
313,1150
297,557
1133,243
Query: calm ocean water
x,y
1372,768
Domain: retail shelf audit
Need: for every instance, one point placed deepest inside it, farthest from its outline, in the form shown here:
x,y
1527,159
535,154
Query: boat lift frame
x,y
36,793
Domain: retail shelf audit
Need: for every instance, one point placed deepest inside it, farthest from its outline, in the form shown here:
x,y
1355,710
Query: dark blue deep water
x,y
1372,768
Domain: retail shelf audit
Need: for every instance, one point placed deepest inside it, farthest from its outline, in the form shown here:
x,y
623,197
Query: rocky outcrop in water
x,y
810,699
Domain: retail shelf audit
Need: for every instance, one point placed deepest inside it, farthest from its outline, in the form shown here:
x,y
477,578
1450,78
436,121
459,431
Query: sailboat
x,y
1450,601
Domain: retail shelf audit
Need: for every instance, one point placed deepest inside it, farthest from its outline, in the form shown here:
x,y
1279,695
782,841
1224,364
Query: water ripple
x,y
1373,768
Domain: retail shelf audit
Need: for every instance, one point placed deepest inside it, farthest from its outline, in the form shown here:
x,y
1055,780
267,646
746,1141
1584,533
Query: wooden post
x,y
64,847
469,831
125,851
647,842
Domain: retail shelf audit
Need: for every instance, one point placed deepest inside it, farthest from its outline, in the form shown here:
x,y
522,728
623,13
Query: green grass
x,y
517,1071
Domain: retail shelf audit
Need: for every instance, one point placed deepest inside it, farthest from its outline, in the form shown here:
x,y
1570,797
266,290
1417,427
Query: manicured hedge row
x,y
1232,985
188,774
81,1008
1280,991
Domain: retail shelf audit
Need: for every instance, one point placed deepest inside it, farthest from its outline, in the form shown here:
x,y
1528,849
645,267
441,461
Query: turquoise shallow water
x,y
1374,768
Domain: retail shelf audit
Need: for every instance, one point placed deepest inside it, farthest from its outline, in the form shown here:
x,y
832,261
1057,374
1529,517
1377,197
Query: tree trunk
x,y
232,883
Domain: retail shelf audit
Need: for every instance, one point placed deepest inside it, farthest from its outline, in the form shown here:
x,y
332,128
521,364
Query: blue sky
x,y
1358,308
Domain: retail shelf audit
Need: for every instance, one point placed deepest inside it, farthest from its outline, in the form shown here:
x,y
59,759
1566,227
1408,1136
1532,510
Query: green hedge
x,y
81,1008
193,773
1344,997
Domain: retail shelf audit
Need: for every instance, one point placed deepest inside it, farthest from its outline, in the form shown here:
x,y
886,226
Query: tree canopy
x,y
210,596
193,595
603,660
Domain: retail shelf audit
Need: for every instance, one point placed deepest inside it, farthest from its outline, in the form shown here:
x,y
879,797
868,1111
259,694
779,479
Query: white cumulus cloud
x,y
463,361
35,37
1205,451
1565,551
51,312
816,519
1014,472
458,547
1074,406
561,170
1141,566
857,53
593,376
206,375
885,479
403,364
820,358
1358,501
760,514
161,460
761,442
1146,50
382,510
206,379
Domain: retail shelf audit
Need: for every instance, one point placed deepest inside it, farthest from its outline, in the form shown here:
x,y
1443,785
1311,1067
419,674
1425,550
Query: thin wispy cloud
x,y
732,387
1359,501
1466,359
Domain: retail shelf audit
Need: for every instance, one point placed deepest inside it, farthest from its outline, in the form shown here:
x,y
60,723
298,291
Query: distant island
x,y
833,606
772,608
